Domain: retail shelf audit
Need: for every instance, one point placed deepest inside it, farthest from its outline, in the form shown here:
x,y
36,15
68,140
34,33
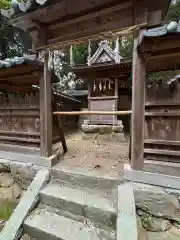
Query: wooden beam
x,y
93,113
162,114
162,142
120,7
45,110
116,93
138,108
161,152
163,43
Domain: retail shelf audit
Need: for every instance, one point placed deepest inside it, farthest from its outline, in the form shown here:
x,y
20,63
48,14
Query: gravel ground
x,y
107,154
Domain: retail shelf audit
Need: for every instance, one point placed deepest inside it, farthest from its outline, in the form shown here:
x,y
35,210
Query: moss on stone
x,y
6,209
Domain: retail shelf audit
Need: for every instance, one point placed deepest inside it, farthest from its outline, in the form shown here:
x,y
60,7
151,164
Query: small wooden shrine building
x,y
22,112
54,24
105,71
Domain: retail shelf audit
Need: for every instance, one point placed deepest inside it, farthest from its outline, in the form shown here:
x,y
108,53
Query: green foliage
x,y
80,53
5,4
126,46
174,11
6,209
11,40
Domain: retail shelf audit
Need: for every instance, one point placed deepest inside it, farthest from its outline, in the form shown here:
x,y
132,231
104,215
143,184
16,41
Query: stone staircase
x,y
74,206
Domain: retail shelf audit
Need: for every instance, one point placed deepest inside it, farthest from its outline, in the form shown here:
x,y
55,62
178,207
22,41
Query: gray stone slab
x,y
27,202
28,158
80,202
126,219
161,167
84,177
151,178
50,226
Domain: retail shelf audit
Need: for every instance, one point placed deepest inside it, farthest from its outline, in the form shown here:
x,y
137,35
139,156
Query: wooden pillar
x,y
89,100
138,109
116,100
46,110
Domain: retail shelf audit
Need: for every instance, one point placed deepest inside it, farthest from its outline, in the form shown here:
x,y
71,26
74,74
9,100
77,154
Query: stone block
x,y
24,173
90,128
158,204
47,225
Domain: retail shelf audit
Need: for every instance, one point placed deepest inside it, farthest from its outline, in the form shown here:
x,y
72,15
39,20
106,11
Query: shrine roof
x,y
17,7
20,68
167,29
162,46
65,22
11,62
22,7
78,93
104,69
125,62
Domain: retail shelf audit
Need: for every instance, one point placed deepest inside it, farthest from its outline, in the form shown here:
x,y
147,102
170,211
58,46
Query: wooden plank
x,y
151,178
162,103
13,228
162,142
162,152
121,7
23,114
103,98
18,139
20,108
126,216
94,113
46,110
166,47
162,114
138,108
17,133
89,96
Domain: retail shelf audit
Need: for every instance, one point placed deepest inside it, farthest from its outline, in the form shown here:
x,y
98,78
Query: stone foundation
x,y
15,178
103,132
158,212
102,129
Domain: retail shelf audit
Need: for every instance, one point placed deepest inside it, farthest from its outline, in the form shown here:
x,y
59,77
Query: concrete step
x,y
46,225
85,177
82,202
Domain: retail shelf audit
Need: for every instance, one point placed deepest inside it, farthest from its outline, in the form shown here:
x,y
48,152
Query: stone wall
x,y
158,212
14,180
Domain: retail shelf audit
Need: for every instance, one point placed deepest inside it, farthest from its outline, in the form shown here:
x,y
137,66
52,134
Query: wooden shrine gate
x,y
162,121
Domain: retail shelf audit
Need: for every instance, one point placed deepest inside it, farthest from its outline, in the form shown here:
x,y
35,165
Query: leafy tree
x,y
5,4
13,41
60,64
174,11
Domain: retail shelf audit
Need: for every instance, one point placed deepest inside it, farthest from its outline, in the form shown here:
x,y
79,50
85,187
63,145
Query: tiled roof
x,y
24,6
172,27
10,62
78,93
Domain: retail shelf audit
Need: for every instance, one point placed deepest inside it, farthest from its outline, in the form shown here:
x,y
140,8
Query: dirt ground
x,y
104,153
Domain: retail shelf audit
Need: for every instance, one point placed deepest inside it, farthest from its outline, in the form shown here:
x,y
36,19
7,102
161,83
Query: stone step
x,y
82,202
85,177
75,217
46,225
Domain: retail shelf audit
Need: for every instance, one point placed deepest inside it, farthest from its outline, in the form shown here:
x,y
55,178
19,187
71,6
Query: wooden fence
x,y
162,121
20,118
